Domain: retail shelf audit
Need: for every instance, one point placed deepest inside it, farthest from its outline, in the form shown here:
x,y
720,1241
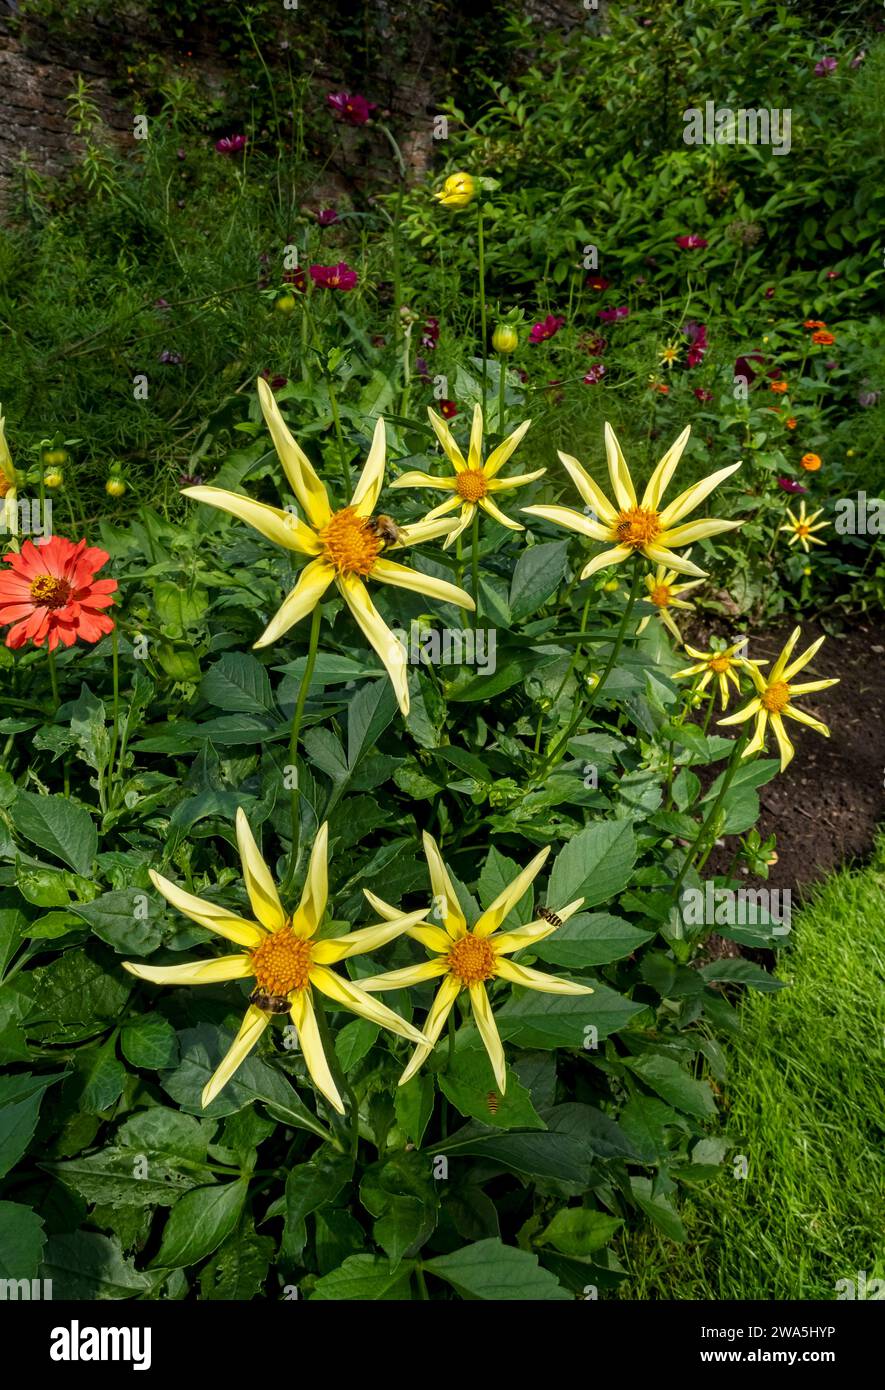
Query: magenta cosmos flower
x,y
703,394
595,374
547,328
612,315
327,217
334,277
825,66
597,282
790,485
351,108
691,242
231,144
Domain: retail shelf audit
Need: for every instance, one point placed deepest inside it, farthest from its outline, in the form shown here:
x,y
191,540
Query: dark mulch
x,y
825,808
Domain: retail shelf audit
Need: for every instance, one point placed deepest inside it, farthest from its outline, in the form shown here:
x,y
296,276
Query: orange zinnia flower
x,y
823,338
778,386
814,323
791,423
810,462
50,593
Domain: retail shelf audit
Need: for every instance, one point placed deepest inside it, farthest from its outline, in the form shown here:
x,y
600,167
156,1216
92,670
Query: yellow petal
x,y
447,440
661,555
254,1023
499,456
446,907
495,913
371,480
659,480
210,915
402,577
802,661
197,972
695,531
777,670
354,999
385,910
313,582
434,525
378,634
418,479
783,741
506,941
408,975
593,495
743,714
281,527
433,1025
515,480
622,483
492,510
693,496
474,452
617,556
538,979
358,943
809,687
468,511
802,718
304,1018
571,521
260,886
309,912
298,468
757,742
488,1031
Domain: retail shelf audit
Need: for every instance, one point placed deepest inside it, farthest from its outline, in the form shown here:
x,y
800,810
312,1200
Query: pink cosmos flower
x,y
231,144
691,242
547,328
334,277
326,217
595,374
612,315
825,66
351,108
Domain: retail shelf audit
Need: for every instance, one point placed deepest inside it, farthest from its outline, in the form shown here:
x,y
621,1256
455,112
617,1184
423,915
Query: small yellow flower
x,y
669,355
505,339
473,481
8,488
346,546
281,953
458,191
774,699
635,527
472,958
802,527
716,665
663,592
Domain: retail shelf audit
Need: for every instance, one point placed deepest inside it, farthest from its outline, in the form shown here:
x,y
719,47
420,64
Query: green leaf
x,y
644,1120
57,825
538,571
150,1042
309,1186
238,1269
414,1106
21,1241
471,1087
76,990
550,1020
489,1269
105,1080
579,1231
594,865
498,872
160,1130
590,939
365,1279
20,1098
741,972
353,1042
671,1081
130,1177
128,919
199,1222
13,927
239,684
659,1208
371,710
87,1266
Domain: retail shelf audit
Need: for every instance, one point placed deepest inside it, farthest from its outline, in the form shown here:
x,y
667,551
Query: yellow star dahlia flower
x,y
717,665
280,953
469,959
643,526
345,546
458,191
664,593
774,699
472,480
8,490
802,527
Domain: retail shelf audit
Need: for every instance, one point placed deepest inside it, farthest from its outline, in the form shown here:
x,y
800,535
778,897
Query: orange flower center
x,y
471,485
660,595
50,592
282,962
803,529
720,664
776,697
472,960
5,484
637,527
351,544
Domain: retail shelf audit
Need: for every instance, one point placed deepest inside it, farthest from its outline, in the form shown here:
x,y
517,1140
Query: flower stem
x,y
53,677
115,665
482,299
315,621
502,378
337,1071
709,821
474,564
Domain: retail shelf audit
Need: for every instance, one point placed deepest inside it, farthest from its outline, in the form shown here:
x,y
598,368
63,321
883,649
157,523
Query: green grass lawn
x,y
806,1103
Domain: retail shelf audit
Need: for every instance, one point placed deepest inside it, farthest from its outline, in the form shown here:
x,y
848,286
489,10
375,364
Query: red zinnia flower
x,y
823,338
334,277
597,282
447,409
351,108
50,593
